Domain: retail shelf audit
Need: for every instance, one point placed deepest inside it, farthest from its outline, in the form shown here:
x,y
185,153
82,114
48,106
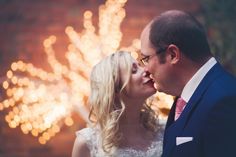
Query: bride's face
x,y
140,84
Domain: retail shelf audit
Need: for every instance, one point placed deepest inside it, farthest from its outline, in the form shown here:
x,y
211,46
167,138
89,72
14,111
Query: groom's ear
x,y
173,53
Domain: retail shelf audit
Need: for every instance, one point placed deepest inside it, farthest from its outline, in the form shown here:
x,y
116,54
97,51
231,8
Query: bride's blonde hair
x,y
105,101
106,105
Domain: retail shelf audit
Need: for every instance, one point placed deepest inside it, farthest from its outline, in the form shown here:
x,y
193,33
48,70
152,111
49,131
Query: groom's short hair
x,y
181,29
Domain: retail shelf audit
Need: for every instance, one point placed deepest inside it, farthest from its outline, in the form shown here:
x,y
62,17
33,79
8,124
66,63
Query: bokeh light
x,y
41,102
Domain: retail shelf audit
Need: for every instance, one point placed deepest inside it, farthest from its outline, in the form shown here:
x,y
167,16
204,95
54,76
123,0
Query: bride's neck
x,y
131,115
134,134
130,121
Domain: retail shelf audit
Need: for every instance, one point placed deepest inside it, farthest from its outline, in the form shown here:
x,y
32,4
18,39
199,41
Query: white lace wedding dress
x,y
94,144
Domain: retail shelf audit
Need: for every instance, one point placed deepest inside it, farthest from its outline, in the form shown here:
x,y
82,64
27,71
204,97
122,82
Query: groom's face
x,y
157,65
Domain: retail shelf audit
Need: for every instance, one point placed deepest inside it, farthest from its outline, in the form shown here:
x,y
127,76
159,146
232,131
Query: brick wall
x,y
24,24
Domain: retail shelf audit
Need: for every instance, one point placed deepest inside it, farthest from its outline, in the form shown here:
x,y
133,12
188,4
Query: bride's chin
x,y
153,91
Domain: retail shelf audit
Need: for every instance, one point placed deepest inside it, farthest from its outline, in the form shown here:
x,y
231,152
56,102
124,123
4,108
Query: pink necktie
x,y
179,107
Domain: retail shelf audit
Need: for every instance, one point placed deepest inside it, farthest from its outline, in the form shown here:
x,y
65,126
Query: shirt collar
x,y
193,83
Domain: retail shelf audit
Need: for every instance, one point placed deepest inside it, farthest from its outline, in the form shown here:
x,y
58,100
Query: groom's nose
x,y
146,73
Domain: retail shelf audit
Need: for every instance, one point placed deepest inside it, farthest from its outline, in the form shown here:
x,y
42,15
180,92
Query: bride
x,y
123,125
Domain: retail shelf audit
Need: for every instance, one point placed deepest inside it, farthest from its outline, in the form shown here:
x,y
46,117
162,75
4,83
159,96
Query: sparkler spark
x,y
40,101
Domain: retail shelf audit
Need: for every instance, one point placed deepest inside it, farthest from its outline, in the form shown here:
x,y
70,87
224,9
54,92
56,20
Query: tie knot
x,y
180,103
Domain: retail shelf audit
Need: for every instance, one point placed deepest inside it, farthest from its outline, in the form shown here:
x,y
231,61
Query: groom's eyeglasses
x,y
146,59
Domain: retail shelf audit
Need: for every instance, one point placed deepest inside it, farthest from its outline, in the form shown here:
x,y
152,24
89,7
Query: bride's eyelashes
x,y
134,68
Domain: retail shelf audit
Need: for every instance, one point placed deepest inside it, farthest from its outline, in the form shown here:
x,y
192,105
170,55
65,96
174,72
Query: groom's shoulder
x,y
225,82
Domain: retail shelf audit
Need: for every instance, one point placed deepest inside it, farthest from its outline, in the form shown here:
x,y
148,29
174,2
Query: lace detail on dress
x,y
94,144
92,141
154,150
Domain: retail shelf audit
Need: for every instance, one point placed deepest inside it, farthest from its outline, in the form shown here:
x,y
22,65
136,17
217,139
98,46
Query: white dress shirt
x,y
193,83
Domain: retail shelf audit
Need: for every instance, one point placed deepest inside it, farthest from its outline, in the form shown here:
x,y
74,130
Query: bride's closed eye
x,y
134,68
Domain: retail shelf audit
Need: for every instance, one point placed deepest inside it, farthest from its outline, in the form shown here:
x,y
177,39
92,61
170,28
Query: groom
x,y
202,120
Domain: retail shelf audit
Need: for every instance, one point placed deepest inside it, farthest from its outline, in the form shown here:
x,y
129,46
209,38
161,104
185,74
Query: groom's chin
x,y
155,86
158,88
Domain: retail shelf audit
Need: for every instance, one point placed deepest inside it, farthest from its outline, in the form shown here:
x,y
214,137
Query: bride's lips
x,y
149,82
154,82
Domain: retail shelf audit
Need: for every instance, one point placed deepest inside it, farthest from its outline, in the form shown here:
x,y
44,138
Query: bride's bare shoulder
x,y
80,148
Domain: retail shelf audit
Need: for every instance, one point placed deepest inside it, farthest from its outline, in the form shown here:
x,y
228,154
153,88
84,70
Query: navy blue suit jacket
x,y
209,118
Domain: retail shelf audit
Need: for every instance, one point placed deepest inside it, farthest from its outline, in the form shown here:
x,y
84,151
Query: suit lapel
x,y
170,120
201,89
171,114
174,128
